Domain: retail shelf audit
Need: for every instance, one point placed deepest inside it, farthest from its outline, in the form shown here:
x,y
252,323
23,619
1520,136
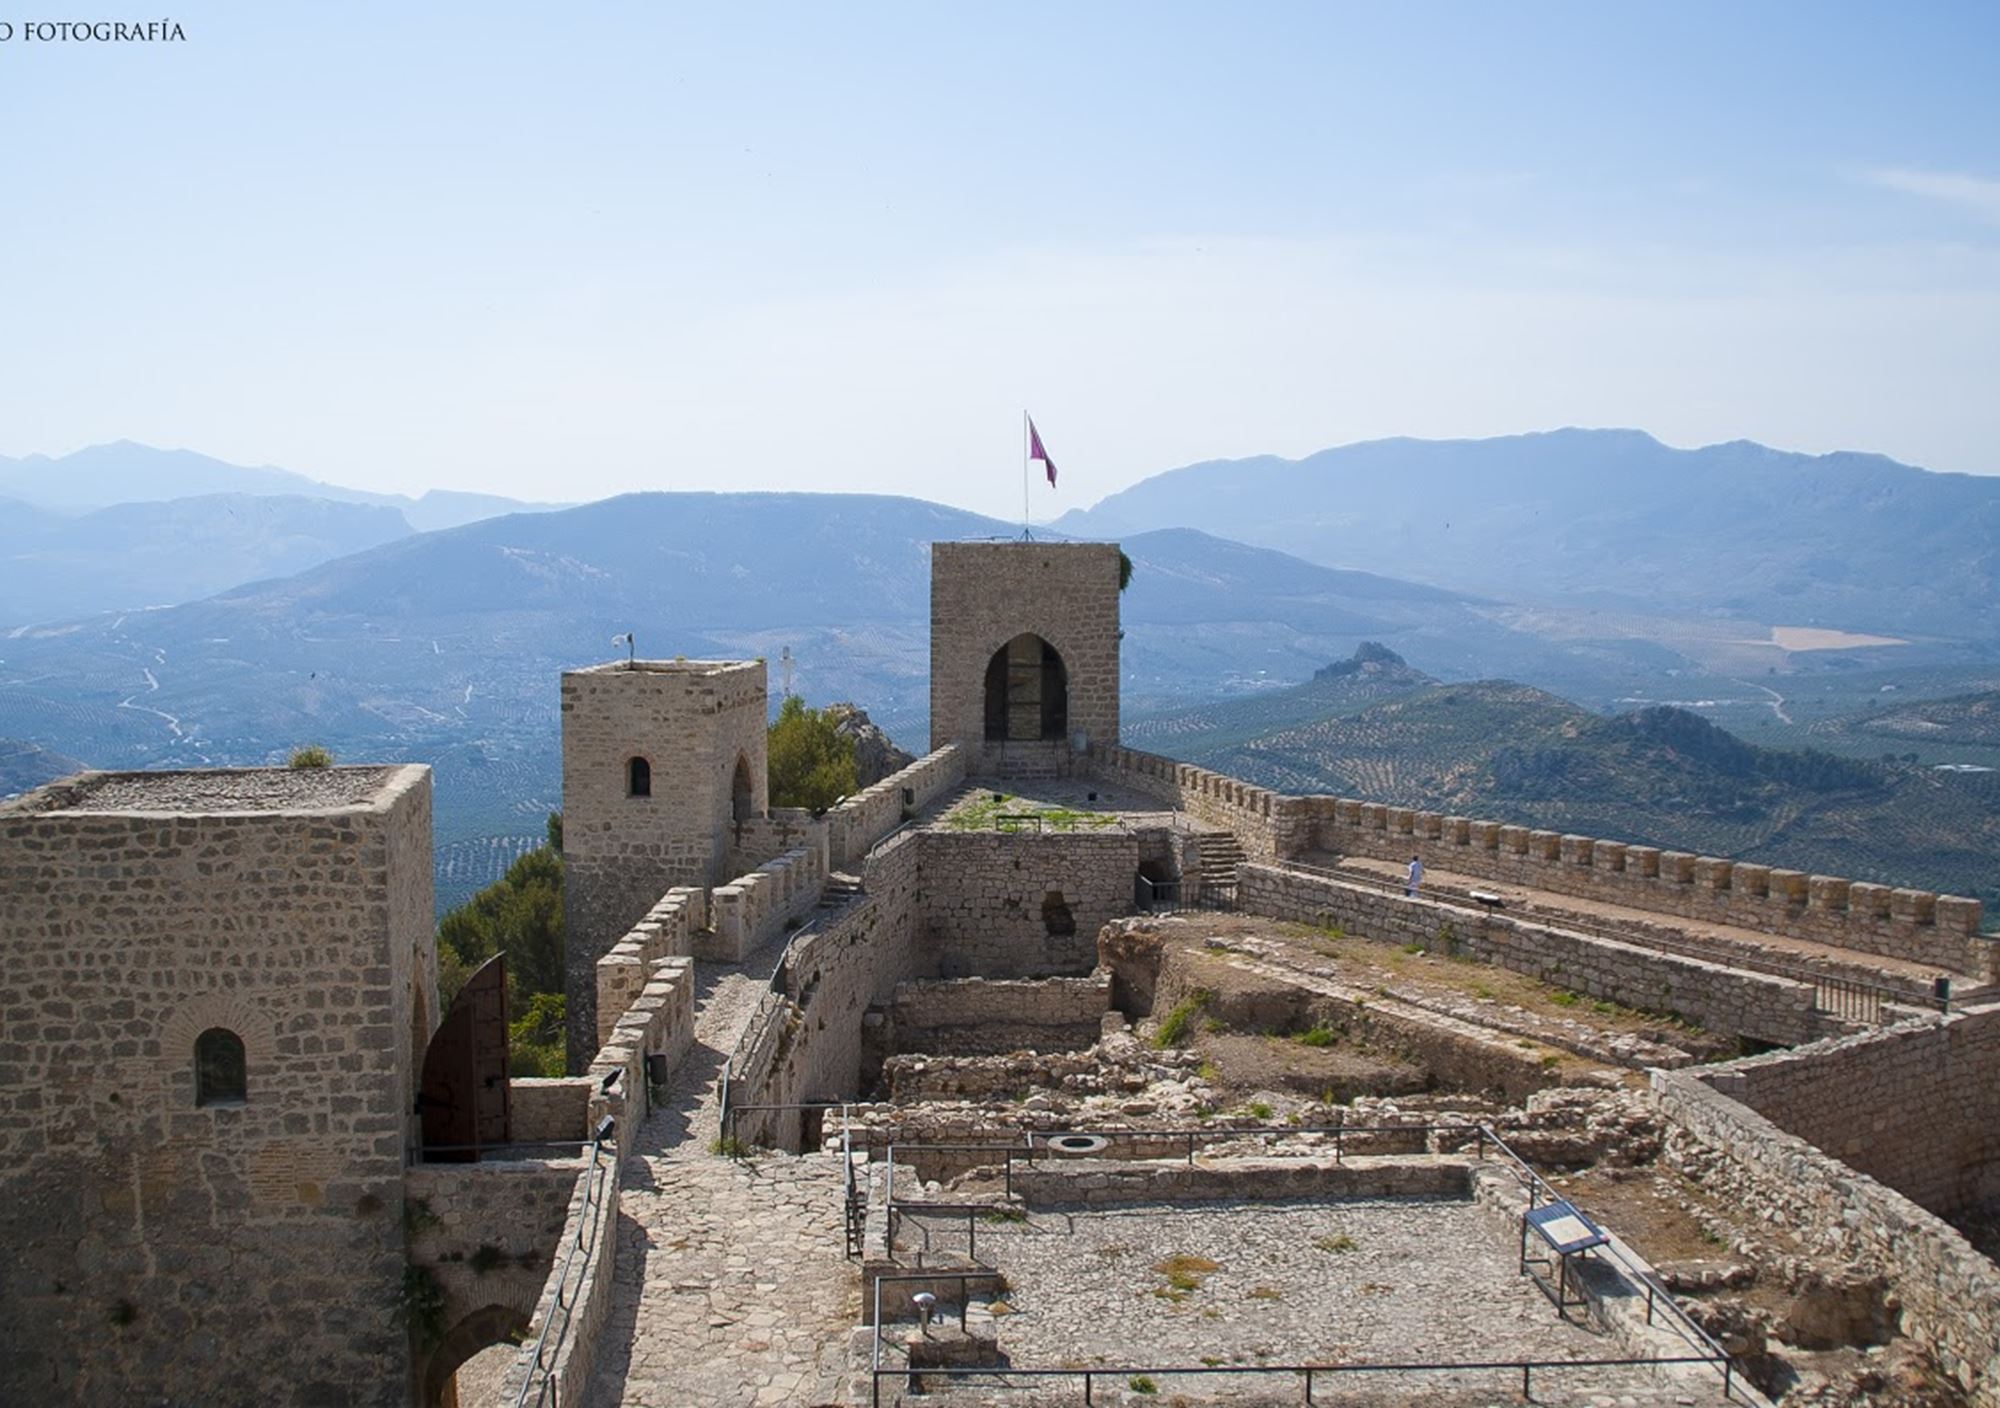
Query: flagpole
x,y
1027,449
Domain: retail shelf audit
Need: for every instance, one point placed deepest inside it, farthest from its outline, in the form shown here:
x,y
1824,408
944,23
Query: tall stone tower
x,y
1024,652
660,759
216,989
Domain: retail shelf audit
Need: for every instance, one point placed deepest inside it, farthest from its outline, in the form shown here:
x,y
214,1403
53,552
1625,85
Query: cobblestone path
x,y
732,1285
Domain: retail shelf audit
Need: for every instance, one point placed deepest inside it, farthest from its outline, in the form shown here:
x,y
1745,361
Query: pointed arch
x,y
1027,692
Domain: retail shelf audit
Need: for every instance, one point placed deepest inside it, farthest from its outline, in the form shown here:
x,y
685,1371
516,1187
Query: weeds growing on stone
x,y
1338,1242
1319,1034
1174,1026
1139,1383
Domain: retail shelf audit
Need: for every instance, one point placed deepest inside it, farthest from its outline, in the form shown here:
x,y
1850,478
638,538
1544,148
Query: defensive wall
x,y
1921,926
1948,1294
1723,999
1914,1105
1918,925
990,1017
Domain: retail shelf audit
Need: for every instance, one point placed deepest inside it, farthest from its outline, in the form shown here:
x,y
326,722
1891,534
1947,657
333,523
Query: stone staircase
x,y
1221,853
840,888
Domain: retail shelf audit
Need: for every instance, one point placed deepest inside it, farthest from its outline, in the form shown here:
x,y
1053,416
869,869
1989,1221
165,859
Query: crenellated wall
x,y
765,838
659,1022
761,904
858,823
1722,999
1261,820
668,930
1940,930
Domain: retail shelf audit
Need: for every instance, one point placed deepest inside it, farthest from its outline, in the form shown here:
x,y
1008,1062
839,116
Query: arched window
x,y
220,1077
742,792
1027,692
638,778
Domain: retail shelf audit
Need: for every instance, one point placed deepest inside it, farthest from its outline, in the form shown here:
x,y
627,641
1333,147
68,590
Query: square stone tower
x,y
660,759
215,993
1024,652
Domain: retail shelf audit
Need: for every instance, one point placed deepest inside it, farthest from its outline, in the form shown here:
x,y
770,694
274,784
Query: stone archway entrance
x,y
1027,692
484,1328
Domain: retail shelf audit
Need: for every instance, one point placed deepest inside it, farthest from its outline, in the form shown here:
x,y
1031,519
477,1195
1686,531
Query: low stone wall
x,y
1758,1005
1915,1105
1020,904
584,1289
1257,816
668,929
659,1022
546,1110
1095,1183
982,1017
1918,925
756,907
1950,1294
487,1234
858,823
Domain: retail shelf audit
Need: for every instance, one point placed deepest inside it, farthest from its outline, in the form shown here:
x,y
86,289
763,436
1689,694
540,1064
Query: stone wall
x,y
1095,1183
659,1022
486,1234
858,823
1949,1293
695,722
1020,904
761,839
575,1301
1940,930
982,1017
547,1110
1768,1008
1262,821
755,908
1915,1105
667,931
805,1043
985,594
247,1251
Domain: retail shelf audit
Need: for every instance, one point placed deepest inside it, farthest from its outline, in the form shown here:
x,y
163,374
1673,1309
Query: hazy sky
x,y
561,251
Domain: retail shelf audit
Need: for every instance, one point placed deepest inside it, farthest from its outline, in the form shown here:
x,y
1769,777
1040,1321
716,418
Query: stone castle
x,y
822,1062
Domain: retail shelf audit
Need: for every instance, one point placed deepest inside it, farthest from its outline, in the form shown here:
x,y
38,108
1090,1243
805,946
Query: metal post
x,y
1086,1387
1309,1385
1526,1370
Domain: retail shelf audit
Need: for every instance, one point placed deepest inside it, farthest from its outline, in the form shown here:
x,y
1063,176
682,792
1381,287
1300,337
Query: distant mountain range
x,y
24,766
126,472
1614,519
55,565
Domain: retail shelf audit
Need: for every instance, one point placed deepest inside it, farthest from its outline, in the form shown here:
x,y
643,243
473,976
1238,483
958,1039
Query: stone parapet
x,y
1261,820
858,822
757,906
1723,999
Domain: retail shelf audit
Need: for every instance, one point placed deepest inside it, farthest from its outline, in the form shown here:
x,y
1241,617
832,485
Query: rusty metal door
x,y
464,1091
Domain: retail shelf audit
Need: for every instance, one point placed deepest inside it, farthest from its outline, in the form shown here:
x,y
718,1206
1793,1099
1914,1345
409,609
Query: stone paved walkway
x,y
732,1285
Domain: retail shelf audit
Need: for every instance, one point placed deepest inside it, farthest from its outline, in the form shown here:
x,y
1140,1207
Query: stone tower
x,y
660,758
1024,652
216,989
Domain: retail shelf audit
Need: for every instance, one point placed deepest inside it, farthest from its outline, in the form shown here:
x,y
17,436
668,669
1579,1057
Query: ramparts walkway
x,y
732,1285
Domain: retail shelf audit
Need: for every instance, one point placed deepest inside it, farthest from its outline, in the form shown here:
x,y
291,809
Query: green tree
x,y
811,764
519,915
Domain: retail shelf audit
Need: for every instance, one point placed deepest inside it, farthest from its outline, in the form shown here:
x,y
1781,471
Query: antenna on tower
x,y
624,638
785,671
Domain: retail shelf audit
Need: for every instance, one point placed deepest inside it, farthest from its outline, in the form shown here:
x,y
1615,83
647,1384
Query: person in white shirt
x,y
1416,876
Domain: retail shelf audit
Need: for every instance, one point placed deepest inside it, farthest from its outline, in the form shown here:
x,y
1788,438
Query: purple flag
x,y
1036,452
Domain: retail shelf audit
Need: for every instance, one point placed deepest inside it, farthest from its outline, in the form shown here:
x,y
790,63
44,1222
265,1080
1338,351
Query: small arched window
x,y
220,1077
638,778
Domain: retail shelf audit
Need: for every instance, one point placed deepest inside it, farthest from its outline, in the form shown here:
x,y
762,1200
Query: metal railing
x,y
561,1312
1658,1299
1850,999
1165,896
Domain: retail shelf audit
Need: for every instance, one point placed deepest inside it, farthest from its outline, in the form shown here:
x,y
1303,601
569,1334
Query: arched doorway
x,y
742,793
1027,692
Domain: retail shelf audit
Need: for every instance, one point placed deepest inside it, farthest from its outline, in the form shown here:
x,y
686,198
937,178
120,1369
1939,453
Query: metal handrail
x,y
1756,963
1537,1188
586,1238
